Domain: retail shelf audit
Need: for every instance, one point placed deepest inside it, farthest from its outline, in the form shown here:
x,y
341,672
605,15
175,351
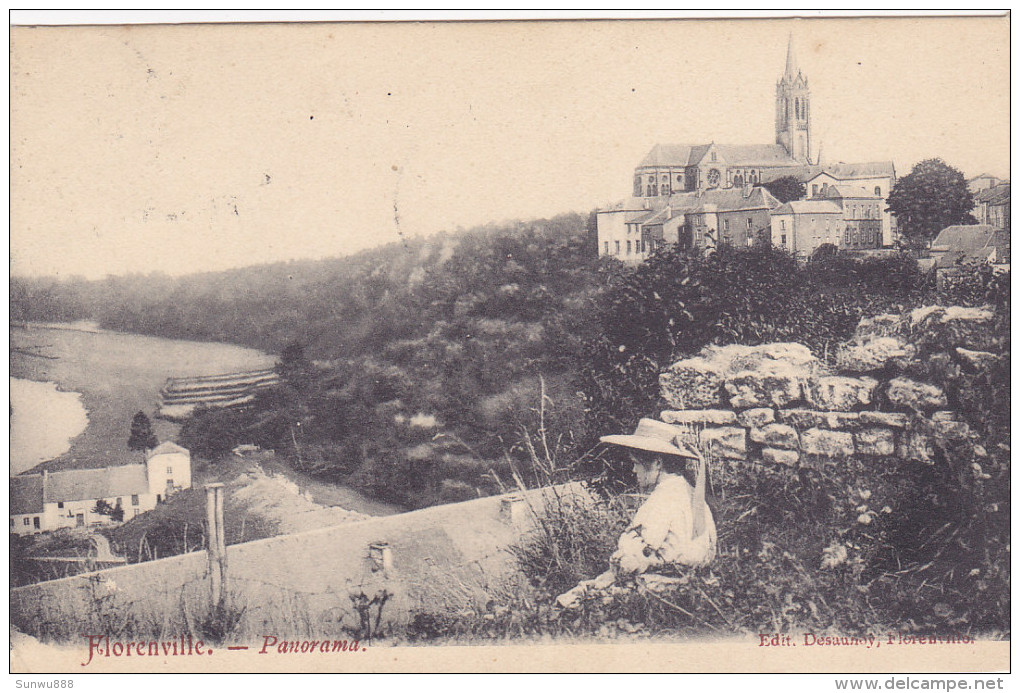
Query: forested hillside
x,y
429,355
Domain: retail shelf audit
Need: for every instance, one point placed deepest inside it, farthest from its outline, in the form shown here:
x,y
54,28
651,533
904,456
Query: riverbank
x,y
44,420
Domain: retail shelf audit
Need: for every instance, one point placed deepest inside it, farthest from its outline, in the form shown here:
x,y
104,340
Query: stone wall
x,y
780,404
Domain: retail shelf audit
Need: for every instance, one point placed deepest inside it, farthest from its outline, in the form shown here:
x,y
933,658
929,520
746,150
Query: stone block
x,y
831,444
838,393
774,456
916,447
948,426
975,361
873,355
771,384
877,327
878,442
810,418
915,395
881,418
753,418
695,383
776,436
790,353
727,442
700,417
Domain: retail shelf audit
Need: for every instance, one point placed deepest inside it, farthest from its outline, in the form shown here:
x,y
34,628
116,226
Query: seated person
x,y
673,527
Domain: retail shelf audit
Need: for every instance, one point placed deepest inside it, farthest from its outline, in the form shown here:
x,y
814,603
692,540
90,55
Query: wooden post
x,y
216,545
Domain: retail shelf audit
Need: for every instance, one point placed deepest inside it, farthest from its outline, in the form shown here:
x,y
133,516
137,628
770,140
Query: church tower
x,y
793,110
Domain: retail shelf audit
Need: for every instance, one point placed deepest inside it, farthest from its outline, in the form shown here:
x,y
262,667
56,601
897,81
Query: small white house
x,y
52,500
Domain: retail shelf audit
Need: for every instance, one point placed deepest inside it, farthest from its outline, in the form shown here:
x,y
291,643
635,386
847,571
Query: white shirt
x,y
662,531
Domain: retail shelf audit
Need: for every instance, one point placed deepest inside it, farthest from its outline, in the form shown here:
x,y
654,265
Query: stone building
x,y
862,215
801,226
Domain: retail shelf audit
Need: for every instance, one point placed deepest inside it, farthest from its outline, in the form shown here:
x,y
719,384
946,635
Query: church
x,y
672,168
685,180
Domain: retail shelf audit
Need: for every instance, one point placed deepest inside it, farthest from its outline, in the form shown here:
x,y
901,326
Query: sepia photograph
x,y
608,344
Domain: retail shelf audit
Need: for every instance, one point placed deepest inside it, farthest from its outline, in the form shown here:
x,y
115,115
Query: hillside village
x,y
704,195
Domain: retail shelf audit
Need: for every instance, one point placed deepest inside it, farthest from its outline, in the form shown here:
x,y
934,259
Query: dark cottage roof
x,y
809,207
964,237
26,494
994,196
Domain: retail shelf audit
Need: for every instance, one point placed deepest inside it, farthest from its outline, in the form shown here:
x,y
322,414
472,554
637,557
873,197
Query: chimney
x,y
381,556
512,509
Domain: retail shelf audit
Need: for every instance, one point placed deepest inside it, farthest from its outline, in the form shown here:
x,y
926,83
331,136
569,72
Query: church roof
x,y
731,154
808,207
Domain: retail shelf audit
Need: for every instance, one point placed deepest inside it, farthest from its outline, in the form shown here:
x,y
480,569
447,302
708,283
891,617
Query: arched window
x,y
738,180
637,187
878,190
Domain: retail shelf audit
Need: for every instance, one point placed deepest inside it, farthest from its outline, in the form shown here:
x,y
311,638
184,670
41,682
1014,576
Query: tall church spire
x,y
793,109
791,61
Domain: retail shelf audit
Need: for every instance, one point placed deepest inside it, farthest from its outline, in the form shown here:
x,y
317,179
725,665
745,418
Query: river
x,y
116,375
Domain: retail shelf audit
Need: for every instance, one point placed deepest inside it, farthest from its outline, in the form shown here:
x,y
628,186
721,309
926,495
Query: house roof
x,y
93,484
809,207
166,447
996,195
723,200
964,257
802,173
26,494
731,154
867,169
851,191
964,237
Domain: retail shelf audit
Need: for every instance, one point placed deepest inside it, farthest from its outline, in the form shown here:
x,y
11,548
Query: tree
x,y
116,513
931,197
142,437
786,188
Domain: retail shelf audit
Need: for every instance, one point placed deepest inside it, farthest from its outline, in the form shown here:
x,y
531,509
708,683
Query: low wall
x,y
448,557
779,404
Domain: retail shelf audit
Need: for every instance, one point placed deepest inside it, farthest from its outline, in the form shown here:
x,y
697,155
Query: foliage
x,y
115,513
142,436
931,197
786,188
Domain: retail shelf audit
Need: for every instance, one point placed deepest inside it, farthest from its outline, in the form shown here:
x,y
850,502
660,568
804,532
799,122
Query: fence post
x,y
216,545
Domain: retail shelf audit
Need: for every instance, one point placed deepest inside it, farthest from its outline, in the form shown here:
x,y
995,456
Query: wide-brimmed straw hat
x,y
653,436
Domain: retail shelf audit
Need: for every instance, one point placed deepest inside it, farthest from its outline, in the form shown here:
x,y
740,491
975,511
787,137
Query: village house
x,y
983,182
801,226
52,500
636,227
862,214
991,206
961,246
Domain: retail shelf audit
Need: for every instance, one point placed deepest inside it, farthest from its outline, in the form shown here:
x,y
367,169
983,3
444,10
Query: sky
x,y
203,147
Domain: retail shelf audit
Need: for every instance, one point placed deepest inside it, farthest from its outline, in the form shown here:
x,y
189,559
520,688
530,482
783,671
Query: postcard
x,y
600,345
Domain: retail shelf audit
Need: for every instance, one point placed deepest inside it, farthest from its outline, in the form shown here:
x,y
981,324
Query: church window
x,y
714,157
648,191
713,177
628,247
655,191
753,178
618,247
738,180
637,187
